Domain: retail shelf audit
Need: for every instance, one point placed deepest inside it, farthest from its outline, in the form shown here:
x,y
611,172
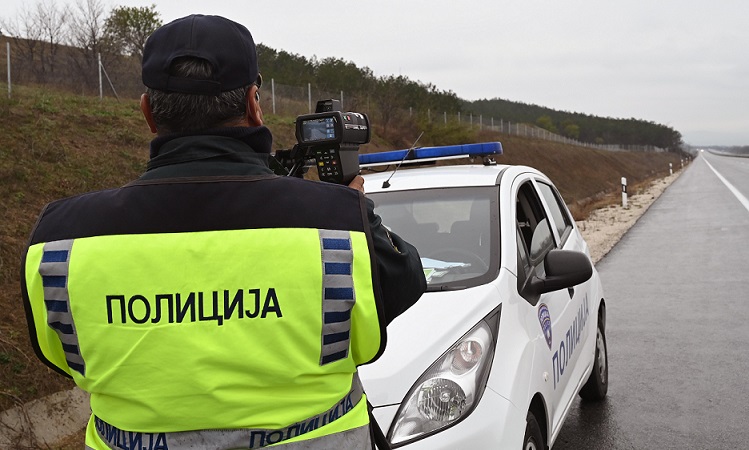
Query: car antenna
x,y
386,184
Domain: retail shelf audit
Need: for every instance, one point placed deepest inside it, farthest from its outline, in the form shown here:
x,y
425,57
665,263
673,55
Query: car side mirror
x,y
564,269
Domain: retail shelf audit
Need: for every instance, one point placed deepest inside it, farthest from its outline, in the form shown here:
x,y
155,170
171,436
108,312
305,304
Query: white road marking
x,y
730,187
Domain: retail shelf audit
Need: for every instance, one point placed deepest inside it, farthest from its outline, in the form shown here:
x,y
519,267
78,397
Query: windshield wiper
x,y
445,288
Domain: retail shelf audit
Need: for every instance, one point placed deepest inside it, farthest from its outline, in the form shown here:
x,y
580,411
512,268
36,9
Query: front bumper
x,y
495,423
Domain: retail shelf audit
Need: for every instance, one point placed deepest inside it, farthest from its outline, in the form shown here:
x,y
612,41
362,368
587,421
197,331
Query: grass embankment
x,y
55,145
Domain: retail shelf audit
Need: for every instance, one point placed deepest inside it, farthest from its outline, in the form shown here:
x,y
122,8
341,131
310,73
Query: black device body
x,y
330,140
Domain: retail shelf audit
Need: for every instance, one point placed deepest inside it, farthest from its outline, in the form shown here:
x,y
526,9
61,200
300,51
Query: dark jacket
x,y
245,152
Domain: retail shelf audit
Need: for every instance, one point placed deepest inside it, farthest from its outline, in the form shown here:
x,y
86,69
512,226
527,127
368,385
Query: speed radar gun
x,y
328,139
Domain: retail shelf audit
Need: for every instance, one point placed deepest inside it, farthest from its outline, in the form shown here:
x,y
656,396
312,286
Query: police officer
x,y
211,304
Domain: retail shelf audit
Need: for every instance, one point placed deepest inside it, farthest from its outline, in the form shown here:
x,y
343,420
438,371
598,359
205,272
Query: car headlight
x,y
451,388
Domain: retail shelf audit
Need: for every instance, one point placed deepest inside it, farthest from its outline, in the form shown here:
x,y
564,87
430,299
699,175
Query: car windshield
x,y
454,229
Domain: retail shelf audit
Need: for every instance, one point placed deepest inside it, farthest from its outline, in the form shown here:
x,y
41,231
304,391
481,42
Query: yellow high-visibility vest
x,y
222,334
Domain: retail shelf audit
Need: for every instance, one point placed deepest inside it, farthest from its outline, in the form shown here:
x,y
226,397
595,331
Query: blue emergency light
x,y
424,154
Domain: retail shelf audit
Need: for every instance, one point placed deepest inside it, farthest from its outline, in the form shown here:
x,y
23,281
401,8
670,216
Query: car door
x,y
580,330
557,311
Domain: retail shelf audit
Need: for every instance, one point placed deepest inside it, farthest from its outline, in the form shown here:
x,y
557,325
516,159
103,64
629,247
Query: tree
x,y
26,35
87,35
333,74
37,35
446,101
546,123
285,67
571,129
128,27
389,99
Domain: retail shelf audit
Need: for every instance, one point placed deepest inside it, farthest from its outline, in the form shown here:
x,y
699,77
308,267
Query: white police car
x,y
512,326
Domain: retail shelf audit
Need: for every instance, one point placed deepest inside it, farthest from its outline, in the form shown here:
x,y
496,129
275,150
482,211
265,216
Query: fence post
x,y
7,46
101,87
445,114
109,80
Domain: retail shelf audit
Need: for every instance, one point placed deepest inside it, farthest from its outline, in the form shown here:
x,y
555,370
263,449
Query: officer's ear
x,y
254,113
145,107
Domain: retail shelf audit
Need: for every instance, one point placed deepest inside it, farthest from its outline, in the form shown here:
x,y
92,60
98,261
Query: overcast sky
x,y
682,63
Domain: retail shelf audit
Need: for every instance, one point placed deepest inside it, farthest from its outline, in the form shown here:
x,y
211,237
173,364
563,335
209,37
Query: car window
x,y
529,213
558,212
455,230
534,236
524,262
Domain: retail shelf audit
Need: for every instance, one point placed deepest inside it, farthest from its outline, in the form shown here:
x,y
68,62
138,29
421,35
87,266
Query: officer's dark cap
x,y
226,45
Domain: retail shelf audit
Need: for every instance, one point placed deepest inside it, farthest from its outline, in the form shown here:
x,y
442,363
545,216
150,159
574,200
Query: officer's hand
x,y
357,183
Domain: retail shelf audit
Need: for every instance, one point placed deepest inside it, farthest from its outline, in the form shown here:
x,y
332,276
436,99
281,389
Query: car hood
x,y
418,337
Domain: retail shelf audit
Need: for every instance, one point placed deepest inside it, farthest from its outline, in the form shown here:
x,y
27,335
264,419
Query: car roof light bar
x,y
425,154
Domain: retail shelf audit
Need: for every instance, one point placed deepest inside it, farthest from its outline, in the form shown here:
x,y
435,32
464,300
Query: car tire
x,y
534,439
597,386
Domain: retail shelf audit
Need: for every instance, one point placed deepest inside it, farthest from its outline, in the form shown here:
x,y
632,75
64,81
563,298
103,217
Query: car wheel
x,y
534,439
597,386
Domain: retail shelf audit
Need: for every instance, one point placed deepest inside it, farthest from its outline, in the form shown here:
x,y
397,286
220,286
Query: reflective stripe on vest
x,y
54,269
338,294
246,438
354,439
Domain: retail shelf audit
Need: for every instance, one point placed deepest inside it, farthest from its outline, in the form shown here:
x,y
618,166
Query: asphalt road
x,y
678,322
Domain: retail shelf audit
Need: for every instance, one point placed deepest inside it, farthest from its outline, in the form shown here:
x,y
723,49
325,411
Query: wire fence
x,y
88,74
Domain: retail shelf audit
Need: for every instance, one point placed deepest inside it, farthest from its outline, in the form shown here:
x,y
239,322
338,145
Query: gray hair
x,y
176,112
